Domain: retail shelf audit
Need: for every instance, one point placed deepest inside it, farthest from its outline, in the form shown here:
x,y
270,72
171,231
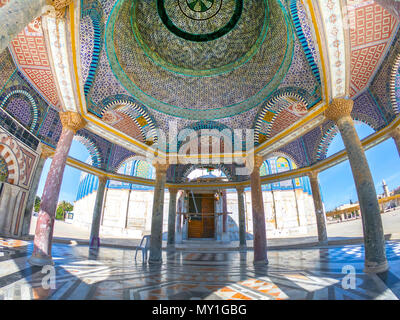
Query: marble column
x,y
46,152
157,217
260,237
71,122
396,137
242,217
319,208
98,209
17,14
375,256
172,216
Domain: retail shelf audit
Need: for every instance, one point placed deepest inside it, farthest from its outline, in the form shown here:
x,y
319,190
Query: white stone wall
x,y
294,213
117,213
292,217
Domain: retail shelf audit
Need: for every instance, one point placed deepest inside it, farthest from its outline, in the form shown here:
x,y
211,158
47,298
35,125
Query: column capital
x,y
45,151
160,165
313,174
395,133
339,108
59,7
254,161
102,178
173,190
240,189
72,120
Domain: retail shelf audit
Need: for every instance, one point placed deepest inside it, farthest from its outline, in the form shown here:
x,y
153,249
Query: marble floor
x,y
110,273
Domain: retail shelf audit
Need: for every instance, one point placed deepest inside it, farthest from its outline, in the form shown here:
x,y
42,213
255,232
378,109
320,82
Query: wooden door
x,y
207,207
202,226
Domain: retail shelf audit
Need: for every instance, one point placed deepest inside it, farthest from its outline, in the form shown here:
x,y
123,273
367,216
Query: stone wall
x,y
117,214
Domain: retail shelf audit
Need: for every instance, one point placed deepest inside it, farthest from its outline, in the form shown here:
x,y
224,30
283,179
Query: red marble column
x,y
259,229
41,255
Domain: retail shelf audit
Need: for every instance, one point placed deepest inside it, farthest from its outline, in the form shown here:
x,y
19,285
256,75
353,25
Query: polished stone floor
x,y
110,273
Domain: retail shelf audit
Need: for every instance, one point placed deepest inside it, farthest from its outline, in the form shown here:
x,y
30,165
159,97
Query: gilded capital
x,y
396,133
72,120
258,161
102,179
313,174
240,189
254,162
59,6
161,166
339,108
173,190
46,152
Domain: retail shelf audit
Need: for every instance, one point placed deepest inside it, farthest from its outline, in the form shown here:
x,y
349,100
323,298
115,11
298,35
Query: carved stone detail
x,y
396,133
46,152
59,7
339,108
72,120
161,166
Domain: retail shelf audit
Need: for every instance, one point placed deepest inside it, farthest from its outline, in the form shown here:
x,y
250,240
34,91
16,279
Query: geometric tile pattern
x,y
30,54
382,84
113,274
371,30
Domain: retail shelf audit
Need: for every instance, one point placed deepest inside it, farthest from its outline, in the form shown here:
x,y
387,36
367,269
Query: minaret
x,y
385,189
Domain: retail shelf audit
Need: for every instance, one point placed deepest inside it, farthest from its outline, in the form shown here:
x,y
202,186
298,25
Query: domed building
x,y
204,119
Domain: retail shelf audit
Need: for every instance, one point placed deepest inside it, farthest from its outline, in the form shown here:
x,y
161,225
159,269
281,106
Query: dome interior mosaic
x,y
150,69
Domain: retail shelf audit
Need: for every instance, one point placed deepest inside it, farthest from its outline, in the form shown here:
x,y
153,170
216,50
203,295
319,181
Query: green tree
x,y
36,206
62,209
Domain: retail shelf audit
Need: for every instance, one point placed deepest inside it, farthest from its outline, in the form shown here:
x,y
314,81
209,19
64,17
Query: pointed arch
x,y
27,97
329,134
137,113
281,100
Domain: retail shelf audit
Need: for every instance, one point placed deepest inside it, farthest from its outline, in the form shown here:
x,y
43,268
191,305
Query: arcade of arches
x,y
207,122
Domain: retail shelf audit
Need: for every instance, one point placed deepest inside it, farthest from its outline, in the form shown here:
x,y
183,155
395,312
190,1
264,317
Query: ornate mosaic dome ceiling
x,y
218,58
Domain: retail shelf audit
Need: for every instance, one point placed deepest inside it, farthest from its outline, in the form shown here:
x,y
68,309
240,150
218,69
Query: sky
x,y
70,184
337,184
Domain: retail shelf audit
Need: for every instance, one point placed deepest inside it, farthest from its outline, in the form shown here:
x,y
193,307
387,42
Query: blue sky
x,y
69,186
337,184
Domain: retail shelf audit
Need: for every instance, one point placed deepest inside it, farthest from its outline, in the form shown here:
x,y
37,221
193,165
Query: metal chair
x,y
144,246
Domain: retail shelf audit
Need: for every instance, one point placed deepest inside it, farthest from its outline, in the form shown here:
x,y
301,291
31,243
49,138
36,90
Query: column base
x,y
94,243
373,267
323,242
155,262
261,262
170,246
40,261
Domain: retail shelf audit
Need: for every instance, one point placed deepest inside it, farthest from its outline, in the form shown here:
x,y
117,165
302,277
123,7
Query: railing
x,y
19,131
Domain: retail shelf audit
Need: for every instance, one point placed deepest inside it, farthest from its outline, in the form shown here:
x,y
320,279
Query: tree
x,y
62,209
36,206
